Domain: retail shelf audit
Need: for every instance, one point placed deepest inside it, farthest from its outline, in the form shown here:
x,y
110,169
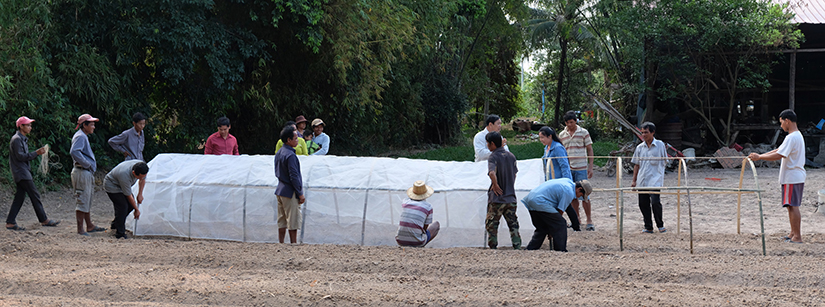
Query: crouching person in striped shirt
x,y
417,227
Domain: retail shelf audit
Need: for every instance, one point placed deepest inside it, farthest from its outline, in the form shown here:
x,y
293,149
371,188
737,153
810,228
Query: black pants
x,y
574,218
648,202
122,210
548,224
26,187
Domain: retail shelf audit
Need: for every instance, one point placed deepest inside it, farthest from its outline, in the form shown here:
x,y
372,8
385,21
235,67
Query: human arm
x,y
208,148
635,173
20,154
323,141
77,154
589,161
496,189
295,177
235,151
480,146
301,149
772,155
134,205
141,184
118,143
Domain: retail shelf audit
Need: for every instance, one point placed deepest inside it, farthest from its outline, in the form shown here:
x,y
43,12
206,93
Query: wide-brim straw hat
x,y
419,191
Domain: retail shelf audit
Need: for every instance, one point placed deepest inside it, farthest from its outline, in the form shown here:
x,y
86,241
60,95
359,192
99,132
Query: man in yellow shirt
x,y
301,149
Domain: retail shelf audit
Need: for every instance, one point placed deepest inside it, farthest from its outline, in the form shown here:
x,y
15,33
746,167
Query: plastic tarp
x,y
350,200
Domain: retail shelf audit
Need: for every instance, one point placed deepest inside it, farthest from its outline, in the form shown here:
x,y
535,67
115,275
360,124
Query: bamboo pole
x,y
739,201
759,199
679,201
690,209
619,210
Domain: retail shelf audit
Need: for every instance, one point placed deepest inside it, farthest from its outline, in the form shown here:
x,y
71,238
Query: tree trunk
x,y
562,62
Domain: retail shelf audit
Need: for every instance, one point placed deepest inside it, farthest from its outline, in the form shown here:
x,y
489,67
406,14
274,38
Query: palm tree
x,y
560,23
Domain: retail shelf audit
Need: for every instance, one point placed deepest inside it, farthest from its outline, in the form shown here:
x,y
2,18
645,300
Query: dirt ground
x,y
52,266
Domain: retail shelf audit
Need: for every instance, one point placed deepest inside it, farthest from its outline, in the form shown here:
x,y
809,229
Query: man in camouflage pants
x,y
501,197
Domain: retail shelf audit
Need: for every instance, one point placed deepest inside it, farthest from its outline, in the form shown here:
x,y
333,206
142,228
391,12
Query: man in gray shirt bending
x,y
118,184
130,142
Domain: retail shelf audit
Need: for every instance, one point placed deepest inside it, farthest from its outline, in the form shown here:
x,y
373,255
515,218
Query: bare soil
x,y
53,266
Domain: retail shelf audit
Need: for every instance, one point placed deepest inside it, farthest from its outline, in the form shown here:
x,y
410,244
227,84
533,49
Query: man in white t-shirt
x,y
491,124
791,172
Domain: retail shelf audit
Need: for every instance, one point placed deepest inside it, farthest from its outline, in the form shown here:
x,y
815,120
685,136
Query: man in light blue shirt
x,y
649,171
546,203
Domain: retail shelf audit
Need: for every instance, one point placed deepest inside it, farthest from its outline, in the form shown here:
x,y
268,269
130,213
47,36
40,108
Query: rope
x,y
49,160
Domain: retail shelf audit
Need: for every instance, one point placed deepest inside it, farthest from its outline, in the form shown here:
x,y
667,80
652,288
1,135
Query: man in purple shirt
x,y
130,142
290,191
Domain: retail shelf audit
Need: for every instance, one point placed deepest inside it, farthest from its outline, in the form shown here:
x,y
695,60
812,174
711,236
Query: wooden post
x,y
792,82
739,202
679,199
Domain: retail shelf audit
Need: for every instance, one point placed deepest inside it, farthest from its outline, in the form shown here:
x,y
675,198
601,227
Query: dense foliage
x,y
379,73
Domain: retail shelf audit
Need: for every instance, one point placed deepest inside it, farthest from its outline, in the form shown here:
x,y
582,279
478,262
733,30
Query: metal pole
x,y
621,212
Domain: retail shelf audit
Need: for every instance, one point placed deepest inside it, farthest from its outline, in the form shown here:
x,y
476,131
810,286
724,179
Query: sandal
x,y
590,227
51,223
791,241
647,231
15,227
662,230
97,229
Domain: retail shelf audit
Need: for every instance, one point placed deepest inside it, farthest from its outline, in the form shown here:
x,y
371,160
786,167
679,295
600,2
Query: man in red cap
x,y
19,157
83,179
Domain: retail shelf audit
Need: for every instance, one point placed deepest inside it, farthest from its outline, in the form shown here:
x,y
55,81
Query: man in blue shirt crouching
x,y
546,203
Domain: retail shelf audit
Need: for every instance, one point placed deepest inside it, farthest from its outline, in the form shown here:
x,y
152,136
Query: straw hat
x,y
419,191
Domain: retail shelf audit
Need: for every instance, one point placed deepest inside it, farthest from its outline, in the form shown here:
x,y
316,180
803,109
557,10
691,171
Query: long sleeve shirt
x,y
323,141
81,152
129,141
288,171
482,153
19,157
561,167
216,145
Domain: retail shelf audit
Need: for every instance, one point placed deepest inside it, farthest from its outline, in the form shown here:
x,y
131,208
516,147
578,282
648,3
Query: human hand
x,y
301,199
503,141
754,156
137,214
126,154
633,185
497,189
590,171
140,199
41,150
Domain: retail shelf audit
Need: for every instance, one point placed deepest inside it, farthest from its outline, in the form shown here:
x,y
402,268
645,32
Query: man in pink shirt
x,y
221,142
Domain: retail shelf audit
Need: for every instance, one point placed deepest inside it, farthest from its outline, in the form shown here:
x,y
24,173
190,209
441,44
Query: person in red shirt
x,y
221,142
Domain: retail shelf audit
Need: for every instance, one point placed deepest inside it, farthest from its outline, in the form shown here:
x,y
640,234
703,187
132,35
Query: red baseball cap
x,y
23,121
85,118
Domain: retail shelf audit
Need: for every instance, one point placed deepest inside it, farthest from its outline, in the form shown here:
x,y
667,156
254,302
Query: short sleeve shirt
x,y
120,179
576,145
651,171
503,163
792,167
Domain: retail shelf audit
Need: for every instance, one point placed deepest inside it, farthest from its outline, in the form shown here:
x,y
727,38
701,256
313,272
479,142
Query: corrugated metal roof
x,y
807,11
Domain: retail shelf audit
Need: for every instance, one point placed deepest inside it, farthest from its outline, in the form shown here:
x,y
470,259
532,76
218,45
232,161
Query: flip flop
x,y
785,238
662,230
647,231
790,241
15,227
85,234
590,227
97,229
51,223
